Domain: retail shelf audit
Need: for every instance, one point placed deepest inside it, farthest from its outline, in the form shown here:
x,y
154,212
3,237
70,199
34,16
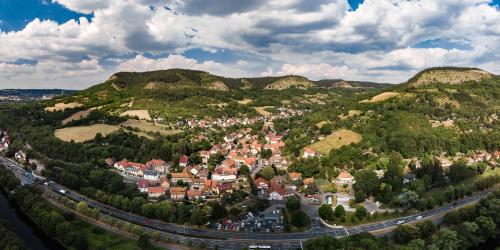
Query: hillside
x,y
448,75
182,78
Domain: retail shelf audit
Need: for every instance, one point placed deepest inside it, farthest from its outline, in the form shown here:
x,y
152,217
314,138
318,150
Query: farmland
x,y
336,140
84,133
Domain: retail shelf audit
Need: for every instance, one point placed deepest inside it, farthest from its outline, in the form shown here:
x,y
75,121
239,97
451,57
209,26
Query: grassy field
x,y
142,114
381,97
350,114
150,127
245,101
336,140
76,116
84,133
263,111
324,185
63,106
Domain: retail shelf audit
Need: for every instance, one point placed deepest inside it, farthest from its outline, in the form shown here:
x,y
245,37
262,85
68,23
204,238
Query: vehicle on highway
x,y
400,222
419,217
62,191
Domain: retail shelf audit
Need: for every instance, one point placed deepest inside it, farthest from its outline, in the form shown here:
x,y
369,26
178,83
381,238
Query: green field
x,y
336,140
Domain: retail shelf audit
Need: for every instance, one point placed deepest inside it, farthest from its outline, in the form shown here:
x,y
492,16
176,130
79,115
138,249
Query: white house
x,y
308,153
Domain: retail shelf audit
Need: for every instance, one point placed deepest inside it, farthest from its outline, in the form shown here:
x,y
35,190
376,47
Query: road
x,y
236,240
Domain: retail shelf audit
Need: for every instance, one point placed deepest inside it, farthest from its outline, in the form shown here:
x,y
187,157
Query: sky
x,y
74,44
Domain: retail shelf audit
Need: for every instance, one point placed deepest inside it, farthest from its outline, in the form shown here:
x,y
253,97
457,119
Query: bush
x,y
361,212
300,219
325,212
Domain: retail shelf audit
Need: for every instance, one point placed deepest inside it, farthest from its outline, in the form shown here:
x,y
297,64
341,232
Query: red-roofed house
x,y
158,165
177,193
309,152
345,177
225,174
276,191
224,187
142,185
183,176
194,194
294,176
155,192
183,161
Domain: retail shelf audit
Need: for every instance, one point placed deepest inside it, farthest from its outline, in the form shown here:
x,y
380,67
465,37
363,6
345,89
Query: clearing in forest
x,y
245,101
62,106
151,127
350,114
381,97
141,114
84,133
336,140
263,111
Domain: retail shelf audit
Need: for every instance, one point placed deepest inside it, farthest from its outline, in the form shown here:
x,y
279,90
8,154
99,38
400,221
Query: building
x,y
276,192
309,152
194,194
294,176
345,178
142,185
159,165
155,192
183,161
262,185
182,176
177,193
151,175
225,173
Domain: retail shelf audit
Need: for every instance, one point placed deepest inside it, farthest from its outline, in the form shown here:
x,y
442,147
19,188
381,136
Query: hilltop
x,y
449,75
184,78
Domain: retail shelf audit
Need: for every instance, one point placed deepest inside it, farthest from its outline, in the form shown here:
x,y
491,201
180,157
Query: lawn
x,y
141,114
324,185
84,133
336,140
63,106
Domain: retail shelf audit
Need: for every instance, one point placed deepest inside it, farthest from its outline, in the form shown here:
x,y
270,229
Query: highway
x,y
236,240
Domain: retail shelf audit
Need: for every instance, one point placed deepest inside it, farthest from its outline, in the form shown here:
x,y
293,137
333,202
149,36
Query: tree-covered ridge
x,y
448,75
193,78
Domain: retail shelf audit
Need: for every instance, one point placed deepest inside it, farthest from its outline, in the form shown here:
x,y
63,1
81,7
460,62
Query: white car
x,y
419,217
400,222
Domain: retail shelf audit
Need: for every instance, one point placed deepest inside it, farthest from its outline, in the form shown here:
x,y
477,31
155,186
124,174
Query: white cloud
x,y
316,38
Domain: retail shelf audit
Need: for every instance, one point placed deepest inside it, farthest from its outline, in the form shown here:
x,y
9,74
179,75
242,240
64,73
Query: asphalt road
x,y
237,240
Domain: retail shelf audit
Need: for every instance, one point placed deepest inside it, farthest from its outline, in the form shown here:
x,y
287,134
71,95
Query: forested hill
x,y
181,78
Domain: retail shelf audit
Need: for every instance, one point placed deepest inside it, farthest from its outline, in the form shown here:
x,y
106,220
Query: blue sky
x,y
77,43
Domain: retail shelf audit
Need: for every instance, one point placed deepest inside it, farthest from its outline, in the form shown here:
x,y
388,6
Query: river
x,y
22,226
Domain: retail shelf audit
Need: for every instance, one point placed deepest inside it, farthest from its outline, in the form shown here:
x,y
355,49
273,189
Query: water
x,y
22,226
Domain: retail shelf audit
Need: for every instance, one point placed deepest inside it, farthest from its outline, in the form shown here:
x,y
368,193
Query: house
x,y
294,176
345,178
308,153
224,188
155,192
151,175
205,156
308,181
262,185
142,185
131,168
164,183
194,194
159,165
110,162
183,161
182,176
177,193
276,192
225,173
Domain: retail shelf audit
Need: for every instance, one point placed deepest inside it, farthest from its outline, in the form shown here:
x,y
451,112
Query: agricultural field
x,y
381,97
141,114
336,140
84,133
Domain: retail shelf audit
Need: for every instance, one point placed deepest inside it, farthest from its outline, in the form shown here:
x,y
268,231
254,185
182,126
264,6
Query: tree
x,y
394,174
218,211
361,212
446,240
339,211
293,204
300,219
325,212
407,198
243,170
143,241
405,233
266,153
326,129
459,171
323,242
367,182
426,228
267,173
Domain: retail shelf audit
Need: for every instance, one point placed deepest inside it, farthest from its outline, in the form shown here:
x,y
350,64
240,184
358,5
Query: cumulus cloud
x,y
383,40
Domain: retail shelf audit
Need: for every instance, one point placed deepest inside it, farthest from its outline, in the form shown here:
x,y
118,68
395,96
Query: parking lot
x,y
271,221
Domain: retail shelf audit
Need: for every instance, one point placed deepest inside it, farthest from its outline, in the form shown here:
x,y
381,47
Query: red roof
x,y
183,159
309,151
141,183
260,180
156,162
275,187
156,190
345,175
